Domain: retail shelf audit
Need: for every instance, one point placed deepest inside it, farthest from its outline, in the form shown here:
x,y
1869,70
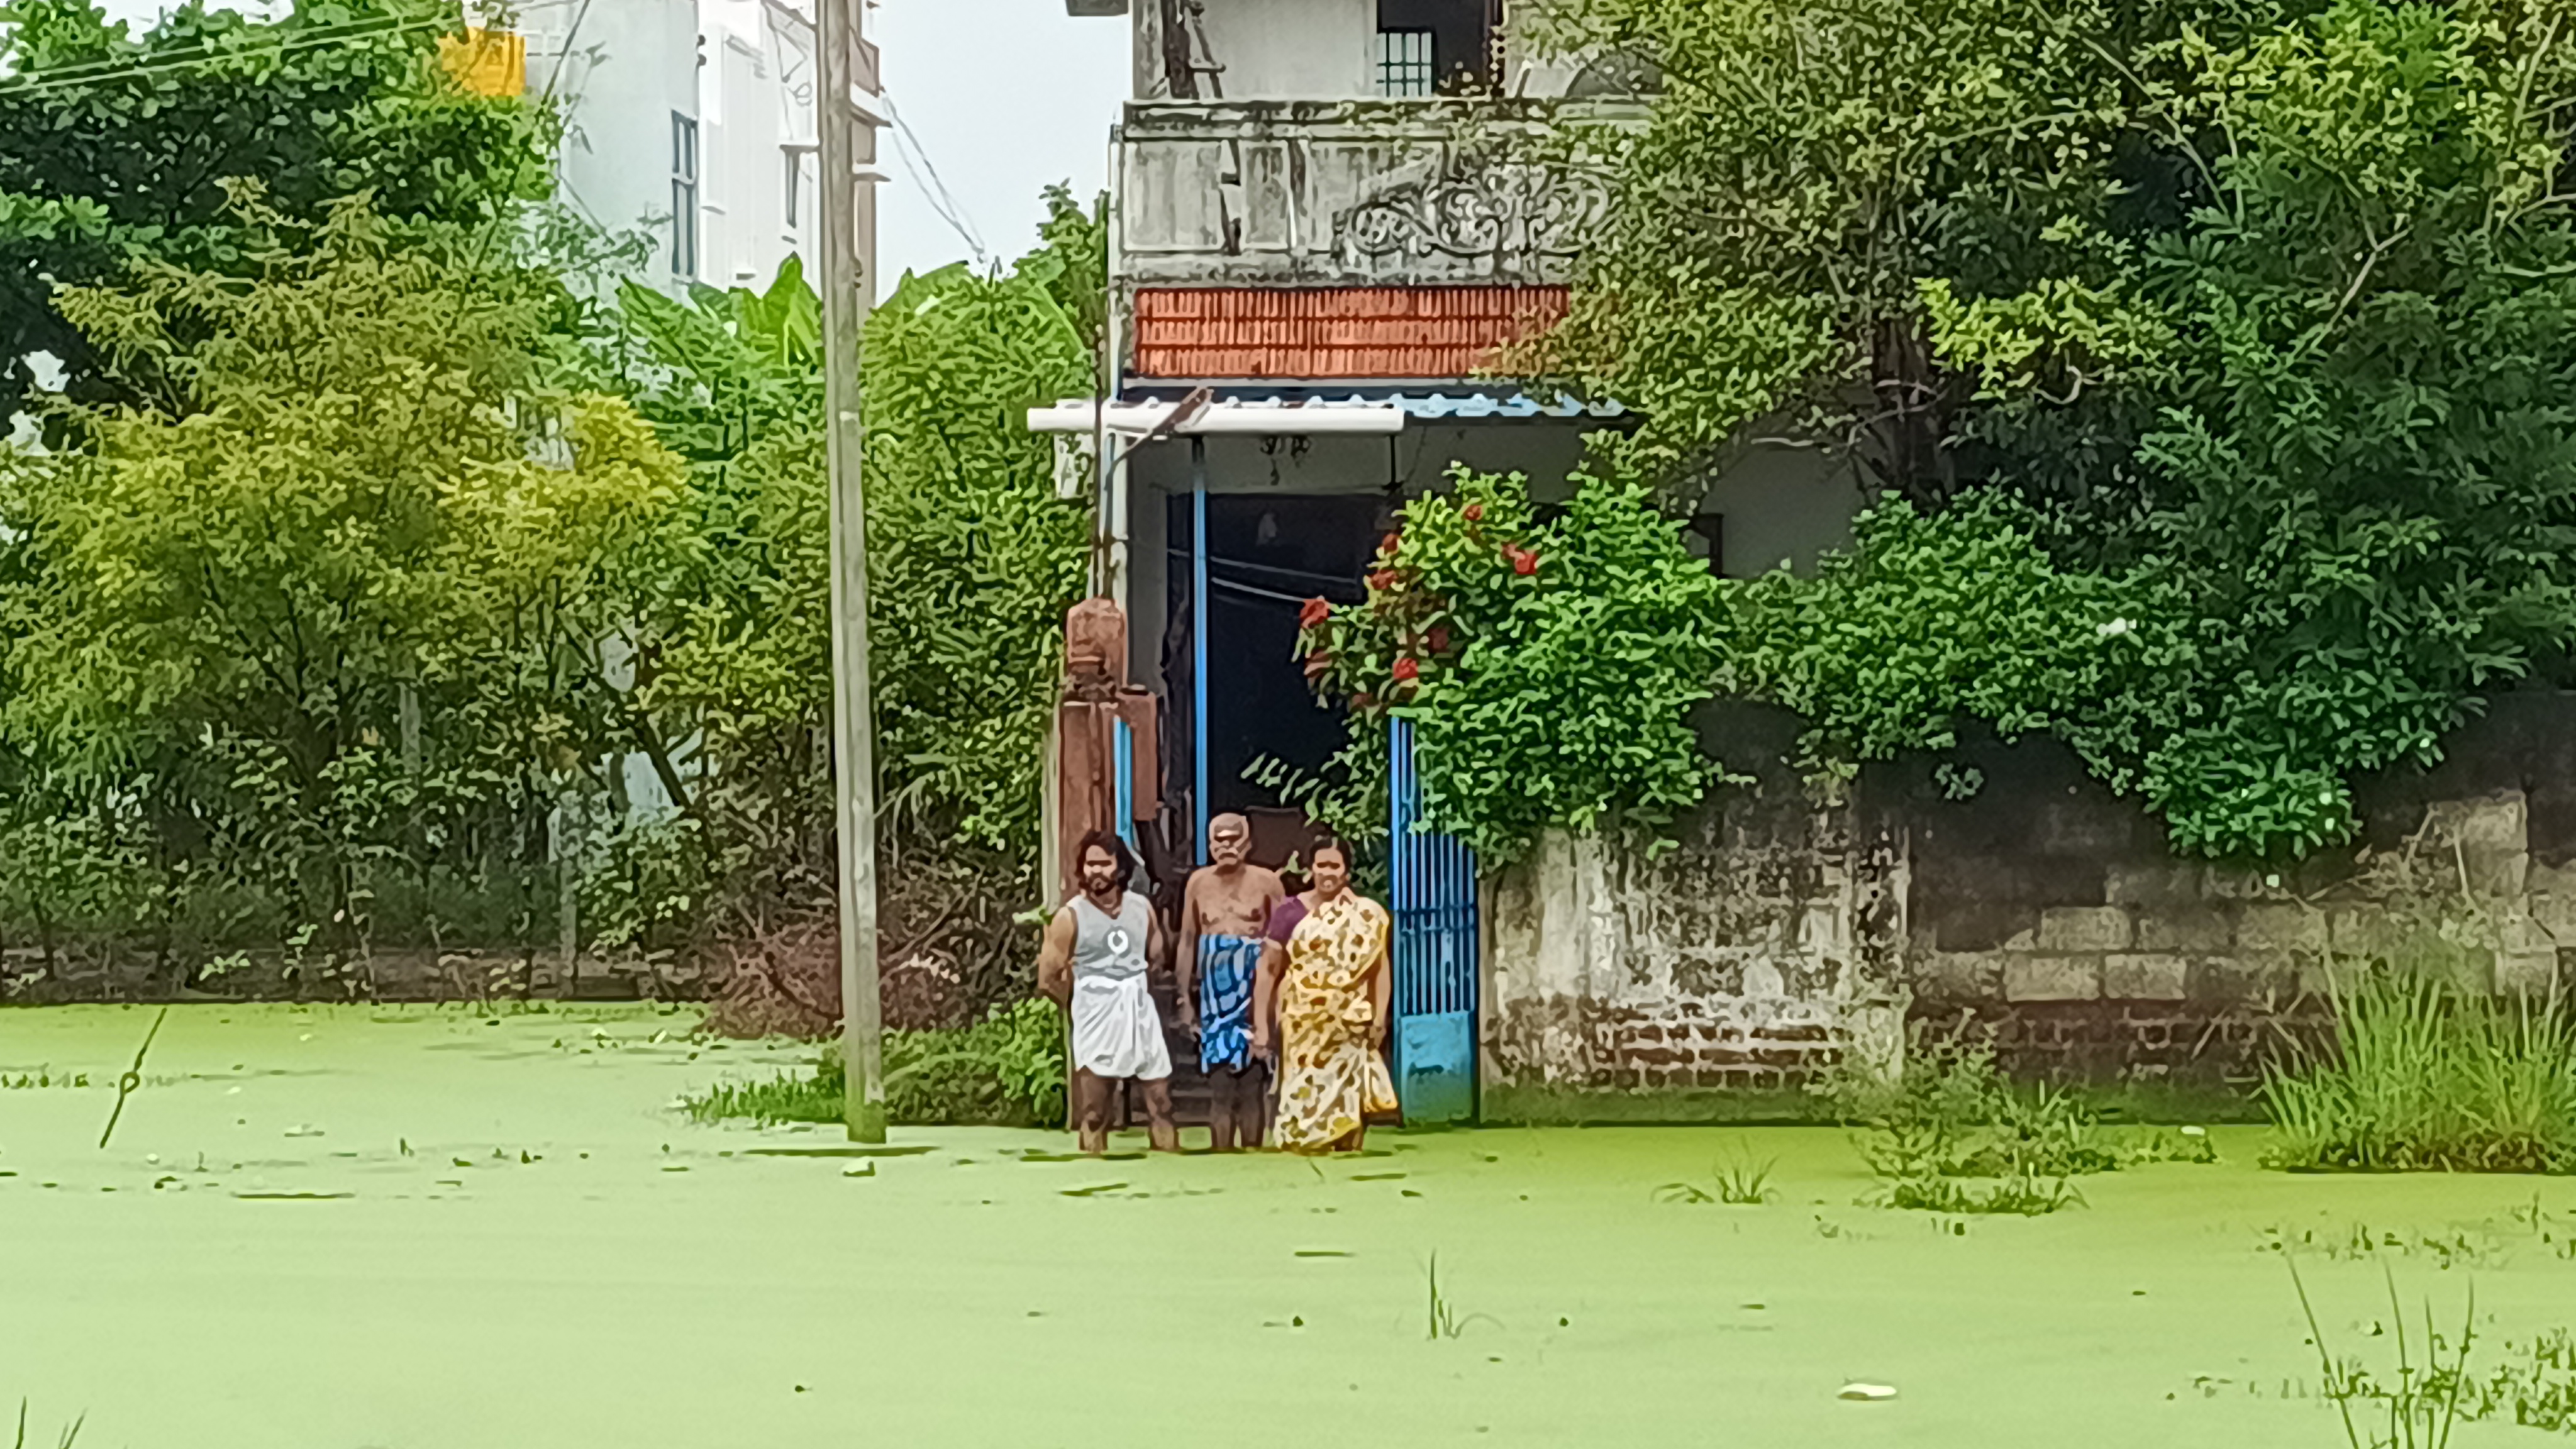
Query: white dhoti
x,y
1116,1030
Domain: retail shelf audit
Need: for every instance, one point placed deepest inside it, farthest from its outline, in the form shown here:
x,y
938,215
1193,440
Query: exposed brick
x,y
2052,978
2184,927
2084,928
1958,975
2130,976
2154,883
1970,924
2224,980
2281,926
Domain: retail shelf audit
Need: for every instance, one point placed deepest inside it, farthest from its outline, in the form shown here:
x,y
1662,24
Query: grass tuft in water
x,y
70,1434
1952,1115
2426,1077
1735,1180
2420,1406
1006,1070
1444,1319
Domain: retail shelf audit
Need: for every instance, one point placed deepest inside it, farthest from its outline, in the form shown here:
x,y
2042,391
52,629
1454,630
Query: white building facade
x,y
692,120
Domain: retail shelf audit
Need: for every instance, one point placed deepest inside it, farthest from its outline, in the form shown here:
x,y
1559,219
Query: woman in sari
x,y
1324,983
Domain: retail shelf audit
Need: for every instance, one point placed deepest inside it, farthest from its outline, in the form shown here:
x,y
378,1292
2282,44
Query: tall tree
x,y
2268,307
342,584
114,147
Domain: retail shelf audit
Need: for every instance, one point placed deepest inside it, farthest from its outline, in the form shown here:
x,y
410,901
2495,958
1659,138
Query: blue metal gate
x,y
1436,952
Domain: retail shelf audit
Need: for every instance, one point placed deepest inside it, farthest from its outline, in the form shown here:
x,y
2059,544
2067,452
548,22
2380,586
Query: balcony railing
x,y
1344,193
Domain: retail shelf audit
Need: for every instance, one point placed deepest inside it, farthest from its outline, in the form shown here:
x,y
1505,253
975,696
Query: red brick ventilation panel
x,y
1230,333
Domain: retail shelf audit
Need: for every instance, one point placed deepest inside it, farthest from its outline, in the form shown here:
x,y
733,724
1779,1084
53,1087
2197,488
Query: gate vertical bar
x,y
1124,791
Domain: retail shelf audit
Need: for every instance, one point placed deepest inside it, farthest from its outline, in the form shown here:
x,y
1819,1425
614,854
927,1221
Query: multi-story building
x,y
1319,221
692,119
1321,234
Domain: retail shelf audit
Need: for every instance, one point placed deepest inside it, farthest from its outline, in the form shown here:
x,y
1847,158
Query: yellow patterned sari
x,y
1330,1076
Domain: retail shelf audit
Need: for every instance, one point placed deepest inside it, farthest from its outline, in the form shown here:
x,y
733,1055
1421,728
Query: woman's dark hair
x,y
1108,840
1333,843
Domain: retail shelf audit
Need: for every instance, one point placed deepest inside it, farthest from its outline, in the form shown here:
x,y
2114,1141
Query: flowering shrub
x,y
1548,669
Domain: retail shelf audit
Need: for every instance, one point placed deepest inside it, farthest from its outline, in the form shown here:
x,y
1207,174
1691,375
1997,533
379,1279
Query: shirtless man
x,y
1222,916
1093,962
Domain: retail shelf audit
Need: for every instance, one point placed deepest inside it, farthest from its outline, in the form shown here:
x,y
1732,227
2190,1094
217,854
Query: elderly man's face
x,y
1228,843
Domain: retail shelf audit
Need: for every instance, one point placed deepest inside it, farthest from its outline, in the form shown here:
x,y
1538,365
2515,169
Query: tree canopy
x,y
335,597
2261,315
114,146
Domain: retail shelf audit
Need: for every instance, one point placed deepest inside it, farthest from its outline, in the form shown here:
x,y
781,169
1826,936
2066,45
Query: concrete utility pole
x,y
848,146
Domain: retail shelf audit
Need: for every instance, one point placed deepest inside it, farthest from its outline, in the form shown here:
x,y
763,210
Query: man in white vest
x,y
1093,962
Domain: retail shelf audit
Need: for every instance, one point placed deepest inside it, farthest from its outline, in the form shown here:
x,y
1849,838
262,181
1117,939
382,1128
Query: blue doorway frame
x,y
1438,951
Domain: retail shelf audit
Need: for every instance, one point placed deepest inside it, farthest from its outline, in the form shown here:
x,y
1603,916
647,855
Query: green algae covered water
x,y
414,1227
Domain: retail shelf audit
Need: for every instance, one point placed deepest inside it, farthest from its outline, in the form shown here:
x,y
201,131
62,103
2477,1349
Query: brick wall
x,y
1737,966
2041,914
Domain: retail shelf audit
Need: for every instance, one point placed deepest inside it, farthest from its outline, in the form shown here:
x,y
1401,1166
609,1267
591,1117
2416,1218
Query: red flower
x,y
1473,513
1407,670
1524,562
1438,639
1383,581
1315,612
1389,544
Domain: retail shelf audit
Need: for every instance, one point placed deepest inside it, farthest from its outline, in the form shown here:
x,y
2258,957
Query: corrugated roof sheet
x,y
1477,405
1292,334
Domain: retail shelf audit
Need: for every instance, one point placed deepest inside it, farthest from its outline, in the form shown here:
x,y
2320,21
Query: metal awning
x,y
1245,415
1228,416
1473,406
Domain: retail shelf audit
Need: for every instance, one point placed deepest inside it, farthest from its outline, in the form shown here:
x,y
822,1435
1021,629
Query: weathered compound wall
x,y
1715,980
2041,914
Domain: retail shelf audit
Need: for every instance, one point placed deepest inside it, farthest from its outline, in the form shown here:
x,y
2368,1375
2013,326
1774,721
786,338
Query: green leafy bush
x,y
2267,312
1548,668
1006,1070
1933,620
1953,1134
2427,1077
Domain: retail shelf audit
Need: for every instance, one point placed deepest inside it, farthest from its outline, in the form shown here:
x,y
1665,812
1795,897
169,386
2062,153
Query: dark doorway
x,y
1267,555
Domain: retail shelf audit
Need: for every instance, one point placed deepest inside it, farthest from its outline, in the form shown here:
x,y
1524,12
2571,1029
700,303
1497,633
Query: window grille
x,y
1404,63
684,196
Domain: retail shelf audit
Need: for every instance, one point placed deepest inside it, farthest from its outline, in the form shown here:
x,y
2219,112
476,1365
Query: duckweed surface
x,y
432,1227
